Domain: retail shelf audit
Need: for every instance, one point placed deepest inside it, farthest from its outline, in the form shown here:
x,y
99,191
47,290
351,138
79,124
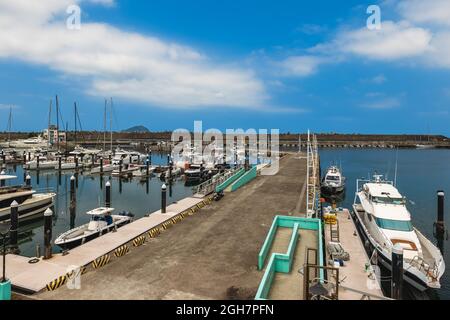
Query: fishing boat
x,y
384,221
102,222
30,203
333,182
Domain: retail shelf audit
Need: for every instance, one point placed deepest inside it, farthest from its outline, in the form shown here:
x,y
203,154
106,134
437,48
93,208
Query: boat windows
x,y
332,178
396,225
388,200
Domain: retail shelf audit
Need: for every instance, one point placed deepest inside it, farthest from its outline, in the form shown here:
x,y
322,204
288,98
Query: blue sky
x,y
232,64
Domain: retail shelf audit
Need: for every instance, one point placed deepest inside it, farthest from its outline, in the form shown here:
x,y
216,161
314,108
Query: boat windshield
x,y
395,225
388,200
332,178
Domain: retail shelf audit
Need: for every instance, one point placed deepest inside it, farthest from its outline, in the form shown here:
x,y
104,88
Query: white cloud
x,y
382,104
300,65
393,41
430,11
118,63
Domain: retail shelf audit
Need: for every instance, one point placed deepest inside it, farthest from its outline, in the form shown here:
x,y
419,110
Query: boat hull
x,y
30,208
332,190
78,242
413,279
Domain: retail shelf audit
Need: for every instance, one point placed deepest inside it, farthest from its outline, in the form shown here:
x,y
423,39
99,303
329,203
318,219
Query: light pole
x,y
5,285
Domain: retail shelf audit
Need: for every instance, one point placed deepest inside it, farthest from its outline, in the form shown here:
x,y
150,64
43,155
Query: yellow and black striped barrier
x,y
55,284
101,262
166,225
153,233
121,251
139,241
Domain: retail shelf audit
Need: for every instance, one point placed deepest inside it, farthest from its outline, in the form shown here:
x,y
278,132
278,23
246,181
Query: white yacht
x,y
44,164
30,202
334,181
31,143
384,221
102,222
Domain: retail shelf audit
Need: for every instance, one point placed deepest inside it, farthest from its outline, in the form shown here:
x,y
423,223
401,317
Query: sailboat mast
x,y
110,124
75,118
104,126
49,122
57,123
9,126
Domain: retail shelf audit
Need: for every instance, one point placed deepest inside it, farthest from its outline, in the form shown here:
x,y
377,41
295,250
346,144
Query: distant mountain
x,y
136,129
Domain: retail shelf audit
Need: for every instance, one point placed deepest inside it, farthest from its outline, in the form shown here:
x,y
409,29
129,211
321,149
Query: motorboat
x,y
425,146
30,203
333,181
42,164
142,172
384,221
102,222
37,142
128,169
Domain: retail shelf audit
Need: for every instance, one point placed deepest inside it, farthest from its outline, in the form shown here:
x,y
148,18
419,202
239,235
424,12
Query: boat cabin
x,y
100,218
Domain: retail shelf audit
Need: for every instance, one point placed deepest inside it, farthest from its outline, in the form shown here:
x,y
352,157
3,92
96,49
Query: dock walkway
x,y
353,274
35,277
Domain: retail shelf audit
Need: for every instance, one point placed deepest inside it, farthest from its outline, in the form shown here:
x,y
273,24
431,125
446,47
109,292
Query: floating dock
x,y
357,279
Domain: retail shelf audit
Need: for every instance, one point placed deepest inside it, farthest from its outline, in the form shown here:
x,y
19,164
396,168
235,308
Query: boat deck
x,y
353,274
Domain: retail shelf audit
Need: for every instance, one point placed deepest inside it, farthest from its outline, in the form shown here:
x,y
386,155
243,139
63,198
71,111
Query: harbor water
x,y
420,174
134,195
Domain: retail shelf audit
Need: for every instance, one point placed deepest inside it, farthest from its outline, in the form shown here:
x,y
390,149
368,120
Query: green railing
x,y
244,179
282,262
230,180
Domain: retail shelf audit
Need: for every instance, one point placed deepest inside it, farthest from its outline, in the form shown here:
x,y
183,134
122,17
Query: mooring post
x,y
440,223
73,202
24,176
108,194
92,160
29,156
24,157
168,159
397,272
76,163
59,162
28,181
101,165
14,226
147,168
37,162
120,168
163,198
48,224
150,157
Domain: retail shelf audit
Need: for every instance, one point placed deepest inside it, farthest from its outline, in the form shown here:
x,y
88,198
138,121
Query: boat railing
x,y
425,268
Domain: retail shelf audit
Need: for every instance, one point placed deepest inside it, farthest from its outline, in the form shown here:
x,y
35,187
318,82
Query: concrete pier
x,y
210,255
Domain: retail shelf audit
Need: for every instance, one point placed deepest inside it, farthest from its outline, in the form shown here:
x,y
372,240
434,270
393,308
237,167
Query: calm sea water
x,y
132,196
421,173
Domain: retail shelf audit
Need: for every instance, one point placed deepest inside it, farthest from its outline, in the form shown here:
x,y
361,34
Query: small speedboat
x,y
102,222
333,182
106,168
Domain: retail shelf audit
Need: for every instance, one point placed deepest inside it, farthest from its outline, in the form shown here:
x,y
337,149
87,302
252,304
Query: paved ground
x,y
212,254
